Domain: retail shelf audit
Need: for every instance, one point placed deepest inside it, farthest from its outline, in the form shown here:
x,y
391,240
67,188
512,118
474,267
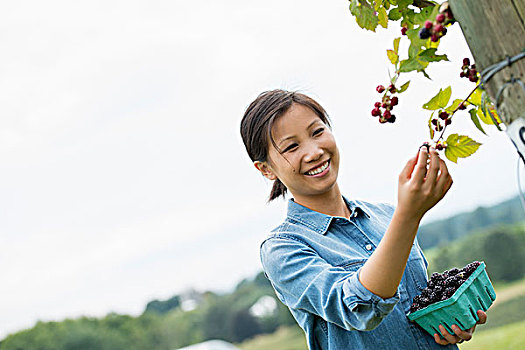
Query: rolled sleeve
x,y
305,281
373,306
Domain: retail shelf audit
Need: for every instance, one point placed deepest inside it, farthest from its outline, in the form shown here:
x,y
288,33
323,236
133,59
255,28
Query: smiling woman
x,y
339,264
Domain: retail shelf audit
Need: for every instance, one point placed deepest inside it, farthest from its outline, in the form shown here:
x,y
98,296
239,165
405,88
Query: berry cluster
x,y
443,115
469,71
387,103
436,29
442,286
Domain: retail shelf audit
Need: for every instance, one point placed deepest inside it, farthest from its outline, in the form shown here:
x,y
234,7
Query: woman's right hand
x,y
419,188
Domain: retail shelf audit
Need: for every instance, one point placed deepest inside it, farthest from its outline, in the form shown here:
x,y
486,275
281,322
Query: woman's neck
x,y
329,203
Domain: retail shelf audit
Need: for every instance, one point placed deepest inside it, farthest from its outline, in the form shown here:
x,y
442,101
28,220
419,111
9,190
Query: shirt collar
x,y
319,222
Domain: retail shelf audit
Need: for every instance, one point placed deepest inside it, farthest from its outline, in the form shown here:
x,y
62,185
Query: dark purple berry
x,y
424,33
394,101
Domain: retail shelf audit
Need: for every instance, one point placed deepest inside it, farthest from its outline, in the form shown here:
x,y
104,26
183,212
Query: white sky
x,y
123,174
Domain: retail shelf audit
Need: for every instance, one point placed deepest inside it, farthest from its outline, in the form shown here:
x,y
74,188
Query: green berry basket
x,y
476,293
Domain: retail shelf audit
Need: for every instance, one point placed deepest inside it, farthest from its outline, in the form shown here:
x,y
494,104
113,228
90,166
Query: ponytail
x,y
278,189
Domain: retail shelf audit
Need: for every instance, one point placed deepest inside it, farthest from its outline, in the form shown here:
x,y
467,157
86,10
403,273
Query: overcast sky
x,y
123,174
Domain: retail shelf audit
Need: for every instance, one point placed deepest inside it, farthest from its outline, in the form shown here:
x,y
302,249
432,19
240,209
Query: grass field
x,y
509,337
289,338
505,329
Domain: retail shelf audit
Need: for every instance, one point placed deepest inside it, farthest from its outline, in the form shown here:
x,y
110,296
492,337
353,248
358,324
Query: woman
x,y
347,269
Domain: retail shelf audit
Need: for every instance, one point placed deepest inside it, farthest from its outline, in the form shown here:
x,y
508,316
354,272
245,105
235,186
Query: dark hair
x,y
257,122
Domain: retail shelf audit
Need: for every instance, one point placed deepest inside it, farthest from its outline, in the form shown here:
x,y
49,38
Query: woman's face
x,y
308,163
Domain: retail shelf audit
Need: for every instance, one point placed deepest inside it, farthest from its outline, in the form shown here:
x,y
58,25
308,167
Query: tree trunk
x,y
494,30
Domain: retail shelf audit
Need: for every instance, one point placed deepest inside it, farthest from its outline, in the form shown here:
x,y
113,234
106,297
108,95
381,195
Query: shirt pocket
x,y
352,264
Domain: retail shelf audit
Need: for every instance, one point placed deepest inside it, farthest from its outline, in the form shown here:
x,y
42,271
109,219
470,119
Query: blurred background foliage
x,y
250,317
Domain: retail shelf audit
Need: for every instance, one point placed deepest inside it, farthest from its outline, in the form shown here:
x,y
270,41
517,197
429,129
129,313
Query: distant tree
x,y
243,325
504,256
162,307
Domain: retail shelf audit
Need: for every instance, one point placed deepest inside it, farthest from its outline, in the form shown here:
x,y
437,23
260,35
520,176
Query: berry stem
x,y
454,111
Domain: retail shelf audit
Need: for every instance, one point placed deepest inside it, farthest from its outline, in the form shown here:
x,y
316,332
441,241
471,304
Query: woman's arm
x,y
305,281
418,191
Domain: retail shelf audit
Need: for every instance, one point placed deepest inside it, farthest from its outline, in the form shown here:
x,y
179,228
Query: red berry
x,y
443,115
394,101
384,105
428,24
466,62
462,75
473,66
439,147
473,78
448,121
386,114
438,28
376,112
380,88
377,104
382,120
404,31
440,18
392,88
473,72
434,38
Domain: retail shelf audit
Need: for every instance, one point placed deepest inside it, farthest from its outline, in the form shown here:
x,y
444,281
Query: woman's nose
x,y
313,153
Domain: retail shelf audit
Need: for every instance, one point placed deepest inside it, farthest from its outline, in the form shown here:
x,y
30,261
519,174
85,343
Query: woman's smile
x,y
319,171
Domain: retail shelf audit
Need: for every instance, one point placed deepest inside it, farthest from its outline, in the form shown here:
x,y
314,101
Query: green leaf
x,y
485,104
440,100
475,98
455,104
377,4
460,146
382,17
445,97
394,14
396,45
410,65
425,14
392,56
404,3
429,55
430,126
403,87
475,120
364,15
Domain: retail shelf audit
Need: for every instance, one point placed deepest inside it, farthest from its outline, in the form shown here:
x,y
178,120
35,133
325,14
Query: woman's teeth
x,y
318,170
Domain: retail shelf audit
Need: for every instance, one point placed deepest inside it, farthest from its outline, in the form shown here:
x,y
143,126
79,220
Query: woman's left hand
x,y
459,336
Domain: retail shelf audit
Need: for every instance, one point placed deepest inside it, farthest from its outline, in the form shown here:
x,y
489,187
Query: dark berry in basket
x,y
442,286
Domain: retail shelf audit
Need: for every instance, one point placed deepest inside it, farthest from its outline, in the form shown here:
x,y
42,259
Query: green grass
x,y
285,338
509,337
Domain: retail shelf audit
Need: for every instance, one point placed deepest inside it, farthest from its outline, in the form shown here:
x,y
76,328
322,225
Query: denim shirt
x,y
313,261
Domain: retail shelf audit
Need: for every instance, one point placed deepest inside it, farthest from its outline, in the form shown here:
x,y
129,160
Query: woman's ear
x,y
265,169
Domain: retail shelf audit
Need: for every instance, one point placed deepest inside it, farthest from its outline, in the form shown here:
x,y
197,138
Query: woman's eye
x,y
318,131
290,147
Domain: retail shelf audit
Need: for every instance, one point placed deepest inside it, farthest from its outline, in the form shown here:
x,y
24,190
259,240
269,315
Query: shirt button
x,y
354,214
368,247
